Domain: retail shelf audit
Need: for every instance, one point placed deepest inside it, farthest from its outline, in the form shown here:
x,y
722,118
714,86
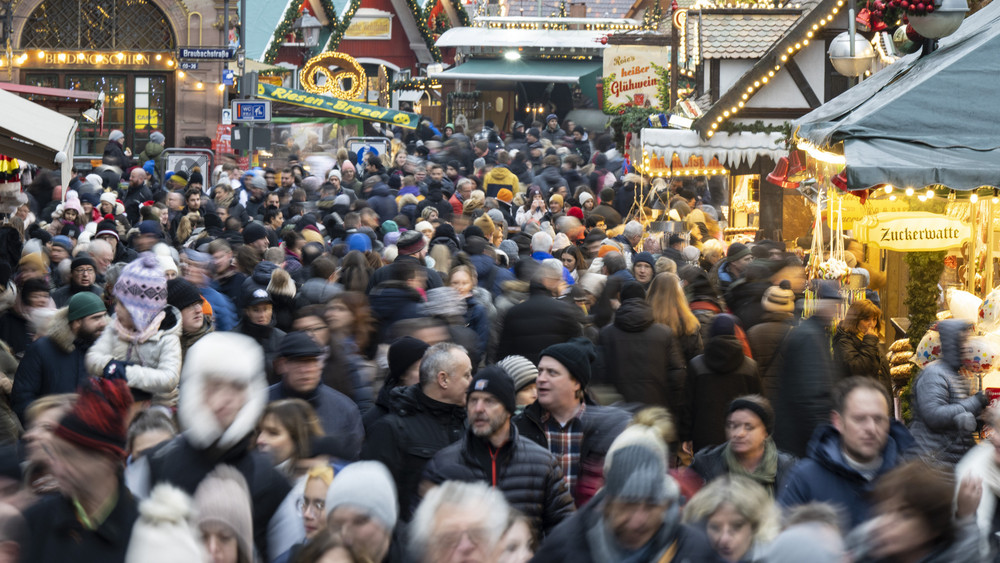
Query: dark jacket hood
x,y
952,332
724,354
381,190
634,315
262,272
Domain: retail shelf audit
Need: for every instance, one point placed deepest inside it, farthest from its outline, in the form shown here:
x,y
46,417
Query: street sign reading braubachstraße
x,y
206,53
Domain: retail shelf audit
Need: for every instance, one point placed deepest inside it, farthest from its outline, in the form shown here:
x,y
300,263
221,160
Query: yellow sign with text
x,y
369,28
912,231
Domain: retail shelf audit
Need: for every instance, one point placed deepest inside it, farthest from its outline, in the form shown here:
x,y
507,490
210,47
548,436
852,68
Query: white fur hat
x,y
225,356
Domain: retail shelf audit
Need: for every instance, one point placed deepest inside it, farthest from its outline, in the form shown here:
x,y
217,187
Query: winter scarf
x,y
765,473
135,337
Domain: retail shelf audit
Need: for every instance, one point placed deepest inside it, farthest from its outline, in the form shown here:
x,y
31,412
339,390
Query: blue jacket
x,y
382,202
223,310
825,476
485,268
338,415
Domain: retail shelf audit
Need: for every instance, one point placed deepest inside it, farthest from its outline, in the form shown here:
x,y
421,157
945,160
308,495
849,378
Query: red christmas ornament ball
x,y
921,7
930,8
604,41
912,34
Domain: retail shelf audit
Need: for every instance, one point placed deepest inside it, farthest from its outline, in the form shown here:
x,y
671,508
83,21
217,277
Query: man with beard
x,y
54,363
493,451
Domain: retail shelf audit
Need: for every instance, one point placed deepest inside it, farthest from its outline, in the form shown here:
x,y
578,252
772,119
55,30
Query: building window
x,y
98,25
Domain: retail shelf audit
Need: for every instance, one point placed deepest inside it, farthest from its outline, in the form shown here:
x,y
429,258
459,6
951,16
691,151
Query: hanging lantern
x,y
941,21
779,176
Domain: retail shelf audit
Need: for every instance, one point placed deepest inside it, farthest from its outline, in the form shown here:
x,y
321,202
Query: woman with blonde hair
x,y
739,517
670,308
856,344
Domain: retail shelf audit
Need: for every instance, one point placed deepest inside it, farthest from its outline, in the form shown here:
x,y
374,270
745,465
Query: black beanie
x,y
253,232
403,353
495,381
761,408
182,293
576,356
632,290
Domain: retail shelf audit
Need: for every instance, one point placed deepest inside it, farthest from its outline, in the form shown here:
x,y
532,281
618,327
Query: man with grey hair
x,y
458,522
635,517
103,254
422,419
463,190
541,250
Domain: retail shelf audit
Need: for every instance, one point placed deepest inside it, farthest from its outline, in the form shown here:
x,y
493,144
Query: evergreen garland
x,y
342,24
284,27
418,15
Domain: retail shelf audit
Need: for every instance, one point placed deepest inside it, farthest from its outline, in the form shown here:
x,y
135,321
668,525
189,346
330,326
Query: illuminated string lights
x,y
718,113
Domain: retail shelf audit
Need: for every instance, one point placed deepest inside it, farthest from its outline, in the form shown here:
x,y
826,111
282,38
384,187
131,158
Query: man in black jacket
x,y
92,517
54,363
424,419
540,321
494,452
412,247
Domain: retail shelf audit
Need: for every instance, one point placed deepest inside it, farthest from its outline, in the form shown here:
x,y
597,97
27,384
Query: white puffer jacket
x,y
154,365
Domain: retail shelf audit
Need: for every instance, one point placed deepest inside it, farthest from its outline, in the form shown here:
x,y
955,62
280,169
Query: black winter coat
x,y
56,535
179,463
384,274
532,326
807,376
576,539
393,301
860,356
642,359
601,425
715,378
269,338
709,464
765,339
744,299
408,437
52,364
528,475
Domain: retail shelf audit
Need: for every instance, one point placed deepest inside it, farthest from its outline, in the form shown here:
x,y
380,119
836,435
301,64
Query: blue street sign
x,y
189,66
251,111
206,53
228,77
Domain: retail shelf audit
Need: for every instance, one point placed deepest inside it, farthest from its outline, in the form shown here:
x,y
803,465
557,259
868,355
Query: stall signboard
x,y
912,231
631,74
370,24
337,106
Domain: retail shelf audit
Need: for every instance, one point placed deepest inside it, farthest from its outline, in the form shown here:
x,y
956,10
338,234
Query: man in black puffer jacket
x,y
492,451
424,418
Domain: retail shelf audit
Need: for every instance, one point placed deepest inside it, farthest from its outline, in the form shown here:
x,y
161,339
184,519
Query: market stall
x,y
727,165
36,134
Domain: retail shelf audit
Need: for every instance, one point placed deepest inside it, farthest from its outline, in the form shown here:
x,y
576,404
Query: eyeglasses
x,y
303,505
83,271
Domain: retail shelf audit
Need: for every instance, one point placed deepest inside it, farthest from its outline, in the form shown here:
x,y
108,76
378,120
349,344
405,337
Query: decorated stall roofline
x,y
766,67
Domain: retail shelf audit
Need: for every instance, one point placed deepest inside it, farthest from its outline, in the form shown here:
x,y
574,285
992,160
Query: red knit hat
x,y
98,419
575,212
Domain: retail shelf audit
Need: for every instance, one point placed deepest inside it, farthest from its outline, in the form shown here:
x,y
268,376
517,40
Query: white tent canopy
x,y
732,149
36,134
521,38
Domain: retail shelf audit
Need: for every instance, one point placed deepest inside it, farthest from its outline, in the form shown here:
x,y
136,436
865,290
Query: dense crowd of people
x,y
469,349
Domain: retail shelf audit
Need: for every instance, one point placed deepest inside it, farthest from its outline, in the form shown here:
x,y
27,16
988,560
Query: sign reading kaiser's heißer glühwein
x,y
633,78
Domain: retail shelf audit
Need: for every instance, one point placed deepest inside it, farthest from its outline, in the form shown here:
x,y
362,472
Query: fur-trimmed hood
x,y
228,356
59,332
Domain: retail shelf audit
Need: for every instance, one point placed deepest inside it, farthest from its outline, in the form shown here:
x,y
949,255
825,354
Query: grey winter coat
x,y
944,415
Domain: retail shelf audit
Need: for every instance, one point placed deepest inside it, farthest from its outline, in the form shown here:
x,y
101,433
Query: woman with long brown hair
x,y
670,307
286,432
856,344
350,320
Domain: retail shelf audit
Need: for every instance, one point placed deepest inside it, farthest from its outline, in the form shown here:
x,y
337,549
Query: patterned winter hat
x,y
142,290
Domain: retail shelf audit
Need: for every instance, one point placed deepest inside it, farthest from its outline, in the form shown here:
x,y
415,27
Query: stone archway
x,y
76,24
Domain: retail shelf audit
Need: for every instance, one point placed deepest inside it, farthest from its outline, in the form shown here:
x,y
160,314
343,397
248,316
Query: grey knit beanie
x,y
521,370
637,473
223,497
509,248
366,486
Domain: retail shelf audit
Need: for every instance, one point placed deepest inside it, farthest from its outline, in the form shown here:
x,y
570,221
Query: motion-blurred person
x,y
738,516
458,522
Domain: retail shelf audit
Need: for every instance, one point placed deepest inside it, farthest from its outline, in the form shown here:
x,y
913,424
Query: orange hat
x,y
606,249
505,195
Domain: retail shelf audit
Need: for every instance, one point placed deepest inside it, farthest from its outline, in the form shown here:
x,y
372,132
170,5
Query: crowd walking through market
x,y
472,348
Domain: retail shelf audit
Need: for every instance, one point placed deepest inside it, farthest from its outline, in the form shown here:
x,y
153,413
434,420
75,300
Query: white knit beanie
x,y
164,532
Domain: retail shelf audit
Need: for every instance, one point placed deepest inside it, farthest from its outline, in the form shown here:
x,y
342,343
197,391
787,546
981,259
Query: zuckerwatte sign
x,y
912,231
633,78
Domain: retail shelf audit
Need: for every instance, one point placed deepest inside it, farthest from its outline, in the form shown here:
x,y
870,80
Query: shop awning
x,y
731,149
36,134
483,37
564,72
409,95
923,120
340,107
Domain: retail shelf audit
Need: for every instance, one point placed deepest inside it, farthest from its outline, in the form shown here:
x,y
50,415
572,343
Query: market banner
x,y
912,231
337,106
